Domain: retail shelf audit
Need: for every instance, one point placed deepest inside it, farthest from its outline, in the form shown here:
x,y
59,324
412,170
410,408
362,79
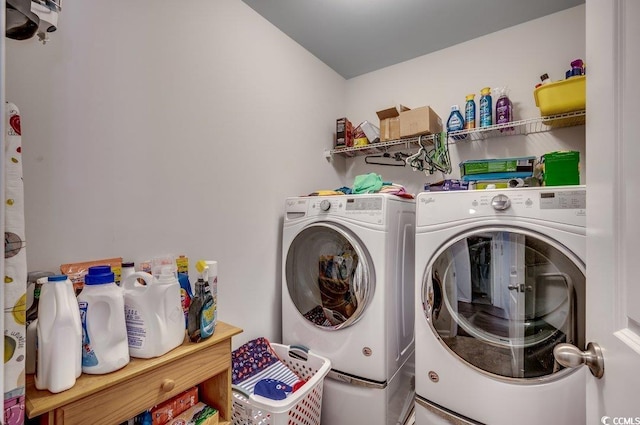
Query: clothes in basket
x,y
257,369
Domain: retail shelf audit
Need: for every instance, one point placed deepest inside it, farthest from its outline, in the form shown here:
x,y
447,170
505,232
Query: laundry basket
x,y
301,407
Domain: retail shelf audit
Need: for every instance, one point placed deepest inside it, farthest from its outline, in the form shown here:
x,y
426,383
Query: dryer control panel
x,y
368,209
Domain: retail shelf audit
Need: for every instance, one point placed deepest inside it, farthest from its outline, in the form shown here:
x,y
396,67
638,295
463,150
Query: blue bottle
x,y
470,112
455,122
486,107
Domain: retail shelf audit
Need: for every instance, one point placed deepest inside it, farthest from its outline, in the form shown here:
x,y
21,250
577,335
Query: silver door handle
x,y
513,287
568,355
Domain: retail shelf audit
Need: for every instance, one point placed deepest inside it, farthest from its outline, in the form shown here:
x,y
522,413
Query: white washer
x,y
500,280
347,294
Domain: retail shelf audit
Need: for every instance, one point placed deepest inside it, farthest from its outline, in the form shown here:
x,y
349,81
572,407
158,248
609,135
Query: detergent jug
x,y
104,333
153,312
59,336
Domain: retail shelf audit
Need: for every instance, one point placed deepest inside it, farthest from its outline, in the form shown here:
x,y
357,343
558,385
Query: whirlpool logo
x,y
607,420
427,200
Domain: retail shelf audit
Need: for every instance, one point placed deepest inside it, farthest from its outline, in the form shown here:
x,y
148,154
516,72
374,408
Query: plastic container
x,y
470,112
209,270
104,334
154,316
127,269
200,324
504,113
59,348
562,97
185,295
455,122
303,407
486,107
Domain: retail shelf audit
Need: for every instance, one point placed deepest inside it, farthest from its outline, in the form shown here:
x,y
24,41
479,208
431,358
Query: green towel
x,y
367,183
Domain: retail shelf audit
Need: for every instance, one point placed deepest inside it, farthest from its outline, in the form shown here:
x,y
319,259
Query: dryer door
x,y
500,299
329,275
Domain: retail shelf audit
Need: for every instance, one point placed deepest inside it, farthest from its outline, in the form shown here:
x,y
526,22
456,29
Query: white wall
x,y
515,57
153,128
162,127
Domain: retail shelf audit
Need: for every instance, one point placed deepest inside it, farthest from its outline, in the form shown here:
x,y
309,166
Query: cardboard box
x,y
561,168
419,121
200,414
344,133
164,412
390,123
501,165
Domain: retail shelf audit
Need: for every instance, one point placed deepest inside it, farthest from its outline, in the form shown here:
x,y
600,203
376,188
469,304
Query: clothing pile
x,y
367,183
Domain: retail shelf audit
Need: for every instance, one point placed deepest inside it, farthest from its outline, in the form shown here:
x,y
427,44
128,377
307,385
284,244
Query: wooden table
x,y
143,383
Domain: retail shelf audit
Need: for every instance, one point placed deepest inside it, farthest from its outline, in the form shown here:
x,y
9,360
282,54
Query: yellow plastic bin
x,y
562,97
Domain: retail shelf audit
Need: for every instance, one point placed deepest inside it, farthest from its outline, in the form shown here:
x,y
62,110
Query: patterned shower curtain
x,y
15,272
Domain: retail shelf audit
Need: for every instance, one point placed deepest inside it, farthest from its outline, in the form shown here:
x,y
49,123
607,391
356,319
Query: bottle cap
x,y
470,96
577,63
455,108
544,77
99,275
128,264
57,278
485,91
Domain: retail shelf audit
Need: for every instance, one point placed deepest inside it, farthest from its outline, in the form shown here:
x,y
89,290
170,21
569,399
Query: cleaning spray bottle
x,y
470,112
486,107
456,122
503,107
203,313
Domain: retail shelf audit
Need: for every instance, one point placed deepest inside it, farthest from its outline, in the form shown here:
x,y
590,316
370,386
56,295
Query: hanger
x,y
436,158
397,159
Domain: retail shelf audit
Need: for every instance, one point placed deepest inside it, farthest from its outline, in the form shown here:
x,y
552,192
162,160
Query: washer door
x,y
329,276
500,299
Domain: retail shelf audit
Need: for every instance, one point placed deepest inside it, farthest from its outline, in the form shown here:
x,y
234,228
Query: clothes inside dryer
x,y
501,300
328,276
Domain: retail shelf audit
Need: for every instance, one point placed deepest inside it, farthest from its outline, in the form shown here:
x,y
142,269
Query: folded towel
x,y
256,365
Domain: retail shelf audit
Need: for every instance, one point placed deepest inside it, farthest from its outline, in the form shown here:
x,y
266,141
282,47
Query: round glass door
x,y
329,276
501,299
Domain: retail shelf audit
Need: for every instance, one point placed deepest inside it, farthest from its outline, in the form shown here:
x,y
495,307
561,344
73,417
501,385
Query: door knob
x,y
569,355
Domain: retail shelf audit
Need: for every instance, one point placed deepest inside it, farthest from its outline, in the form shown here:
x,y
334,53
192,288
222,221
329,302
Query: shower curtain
x,y
15,271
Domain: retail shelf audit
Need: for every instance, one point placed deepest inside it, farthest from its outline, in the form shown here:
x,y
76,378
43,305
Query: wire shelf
x,y
514,128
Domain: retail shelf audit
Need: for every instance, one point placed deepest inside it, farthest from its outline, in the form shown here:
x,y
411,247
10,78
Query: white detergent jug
x,y
104,332
154,315
59,336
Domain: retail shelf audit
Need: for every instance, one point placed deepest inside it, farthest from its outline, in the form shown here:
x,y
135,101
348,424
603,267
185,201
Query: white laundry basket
x,y
301,407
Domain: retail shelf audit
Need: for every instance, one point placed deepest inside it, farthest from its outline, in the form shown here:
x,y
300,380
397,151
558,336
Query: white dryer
x,y
500,281
347,294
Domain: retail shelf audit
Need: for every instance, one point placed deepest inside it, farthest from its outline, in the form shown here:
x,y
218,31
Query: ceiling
x,y
354,37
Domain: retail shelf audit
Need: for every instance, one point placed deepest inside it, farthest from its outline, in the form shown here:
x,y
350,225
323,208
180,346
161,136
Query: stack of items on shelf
x,y
395,123
459,122
498,173
349,136
183,409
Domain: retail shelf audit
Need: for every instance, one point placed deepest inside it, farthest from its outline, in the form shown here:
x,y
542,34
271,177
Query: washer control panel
x,y
561,204
500,202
